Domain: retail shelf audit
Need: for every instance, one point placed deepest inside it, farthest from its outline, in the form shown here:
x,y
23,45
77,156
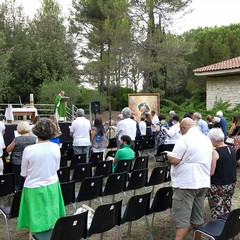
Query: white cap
x,y
216,119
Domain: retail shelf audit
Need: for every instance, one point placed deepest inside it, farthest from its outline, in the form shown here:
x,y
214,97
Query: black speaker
x,y
95,107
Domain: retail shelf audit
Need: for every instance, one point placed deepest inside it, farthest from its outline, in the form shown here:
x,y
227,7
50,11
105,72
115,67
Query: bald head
x,y
186,124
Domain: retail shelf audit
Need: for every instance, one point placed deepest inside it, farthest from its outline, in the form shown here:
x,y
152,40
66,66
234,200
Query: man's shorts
x,y
188,205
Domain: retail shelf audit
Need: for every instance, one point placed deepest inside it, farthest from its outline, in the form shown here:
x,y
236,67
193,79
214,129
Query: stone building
x,y
223,81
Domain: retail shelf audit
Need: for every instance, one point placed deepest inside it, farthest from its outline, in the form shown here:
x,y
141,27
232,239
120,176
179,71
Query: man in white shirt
x,y
190,172
127,126
80,131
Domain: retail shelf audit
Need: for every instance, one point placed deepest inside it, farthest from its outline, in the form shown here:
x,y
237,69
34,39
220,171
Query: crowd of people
x,y
202,164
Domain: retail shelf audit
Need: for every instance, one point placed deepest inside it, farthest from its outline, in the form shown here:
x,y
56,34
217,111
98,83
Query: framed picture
x,y
142,103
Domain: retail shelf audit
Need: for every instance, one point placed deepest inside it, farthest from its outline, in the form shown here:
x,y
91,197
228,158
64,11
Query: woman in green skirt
x,y
42,202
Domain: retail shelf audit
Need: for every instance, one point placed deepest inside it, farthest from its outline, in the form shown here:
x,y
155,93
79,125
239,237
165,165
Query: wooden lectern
x,y
64,99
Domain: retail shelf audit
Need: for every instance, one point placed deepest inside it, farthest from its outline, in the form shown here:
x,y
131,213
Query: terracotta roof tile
x,y
228,64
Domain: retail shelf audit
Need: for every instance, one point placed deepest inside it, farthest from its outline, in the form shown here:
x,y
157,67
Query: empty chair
x,y
106,217
63,174
72,227
116,183
67,149
123,166
6,184
136,208
63,161
104,168
140,162
137,179
157,177
168,175
82,171
220,229
162,201
112,143
76,159
90,188
111,153
11,211
95,158
68,192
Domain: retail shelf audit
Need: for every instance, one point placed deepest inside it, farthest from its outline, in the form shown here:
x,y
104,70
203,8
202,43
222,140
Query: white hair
x,y
219,113
126,112
197,115
80,112
216,134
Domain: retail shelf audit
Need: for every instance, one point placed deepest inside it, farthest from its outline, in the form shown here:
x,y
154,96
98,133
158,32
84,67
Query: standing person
x,y
60,107
124,152
209,121
171,114
155,120
142,126
16,148
2,144
203,126
190,172
223,122
98,136
223,175
161,133
127,126
41,202
235,127
173,133
57,133
148,122
80,131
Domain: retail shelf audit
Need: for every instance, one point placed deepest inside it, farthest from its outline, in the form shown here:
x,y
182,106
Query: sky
x,y
205,13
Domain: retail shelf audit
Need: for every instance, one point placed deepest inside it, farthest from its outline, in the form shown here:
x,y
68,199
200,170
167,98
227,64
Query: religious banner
x,y
142,103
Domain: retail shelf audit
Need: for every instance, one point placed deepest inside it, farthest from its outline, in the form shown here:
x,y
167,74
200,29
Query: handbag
x,y
230,140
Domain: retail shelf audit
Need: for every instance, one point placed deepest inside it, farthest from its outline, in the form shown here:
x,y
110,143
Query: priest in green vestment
x,y
60,106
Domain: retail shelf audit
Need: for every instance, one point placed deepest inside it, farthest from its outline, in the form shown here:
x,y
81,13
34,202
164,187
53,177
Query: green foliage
x,y
49,89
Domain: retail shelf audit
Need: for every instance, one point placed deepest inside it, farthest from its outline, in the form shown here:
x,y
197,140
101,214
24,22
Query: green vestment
x,y
60,106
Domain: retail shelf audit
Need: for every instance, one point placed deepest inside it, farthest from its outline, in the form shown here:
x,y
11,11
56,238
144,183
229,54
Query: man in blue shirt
x,y
223,122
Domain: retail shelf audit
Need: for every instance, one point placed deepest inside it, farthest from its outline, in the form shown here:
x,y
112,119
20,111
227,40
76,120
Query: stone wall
x,y
225,88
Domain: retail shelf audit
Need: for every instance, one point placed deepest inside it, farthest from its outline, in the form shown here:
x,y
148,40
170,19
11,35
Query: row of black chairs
x,y
82,170
108,216
93,187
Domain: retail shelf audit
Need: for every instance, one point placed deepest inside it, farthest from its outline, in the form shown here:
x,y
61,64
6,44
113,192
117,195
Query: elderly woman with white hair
x,y
16,148
223,175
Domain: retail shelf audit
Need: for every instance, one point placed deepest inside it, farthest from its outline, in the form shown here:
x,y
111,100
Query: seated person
x,y
124,152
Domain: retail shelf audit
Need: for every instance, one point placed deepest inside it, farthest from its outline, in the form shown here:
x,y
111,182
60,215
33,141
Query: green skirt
x,y
41,207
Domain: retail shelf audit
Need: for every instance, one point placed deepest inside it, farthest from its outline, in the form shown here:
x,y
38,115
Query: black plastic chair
x,y
90,188
168,175
63,174
68,193
219,229
82,171
104,168
95,158
136,208
123,166
161,148
76,159
7,184
63,161
162,201
112,143
67,149
11,211
111,153
137,179
106,217
140,162
161,157
157,177
72,227
116,183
